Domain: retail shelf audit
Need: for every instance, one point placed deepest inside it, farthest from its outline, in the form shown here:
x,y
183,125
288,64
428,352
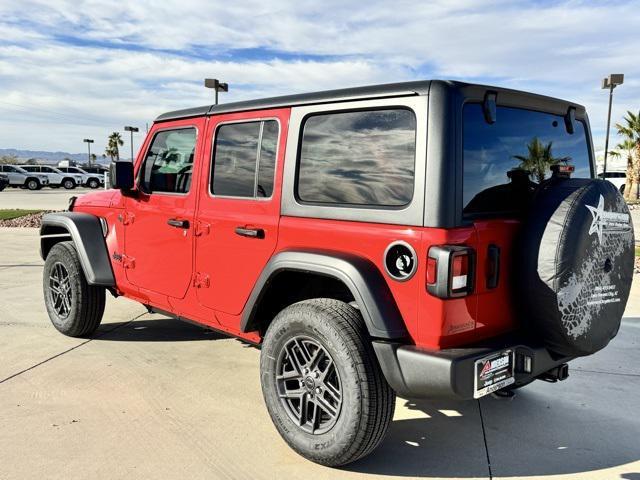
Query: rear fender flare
x,y
363,279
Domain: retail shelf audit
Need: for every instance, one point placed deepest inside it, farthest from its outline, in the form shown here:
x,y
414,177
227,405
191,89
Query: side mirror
x,y
121,175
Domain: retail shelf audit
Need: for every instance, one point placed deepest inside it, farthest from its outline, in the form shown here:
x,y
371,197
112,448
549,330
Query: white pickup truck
x,y
89,179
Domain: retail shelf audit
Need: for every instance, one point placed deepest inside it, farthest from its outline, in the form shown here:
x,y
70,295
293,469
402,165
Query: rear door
x,y
159,220
239,207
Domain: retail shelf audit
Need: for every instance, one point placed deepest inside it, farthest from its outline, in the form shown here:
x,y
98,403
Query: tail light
x,y
450,271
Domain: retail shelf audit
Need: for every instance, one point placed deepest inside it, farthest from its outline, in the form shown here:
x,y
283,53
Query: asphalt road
x,y
150,397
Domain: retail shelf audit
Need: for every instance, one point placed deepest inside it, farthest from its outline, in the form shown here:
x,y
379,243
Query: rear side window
x,y
244,159
169,162
506,160
360,158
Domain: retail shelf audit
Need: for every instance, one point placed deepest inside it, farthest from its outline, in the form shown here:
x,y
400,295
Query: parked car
x,y
4,181
393,239
97,170
18,177
91,180
57,178
619,179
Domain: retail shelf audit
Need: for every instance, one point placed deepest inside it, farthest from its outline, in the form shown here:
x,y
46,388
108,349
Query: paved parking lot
x,y
150,397
45,199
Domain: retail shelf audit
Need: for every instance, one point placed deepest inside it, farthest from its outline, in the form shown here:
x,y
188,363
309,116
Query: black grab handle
x,y
250,232
174,222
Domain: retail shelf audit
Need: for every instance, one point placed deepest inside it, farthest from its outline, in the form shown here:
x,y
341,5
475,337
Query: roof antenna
x,y
489,107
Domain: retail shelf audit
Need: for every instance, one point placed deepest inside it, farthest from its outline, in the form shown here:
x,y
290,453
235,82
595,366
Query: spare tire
x,y
577,254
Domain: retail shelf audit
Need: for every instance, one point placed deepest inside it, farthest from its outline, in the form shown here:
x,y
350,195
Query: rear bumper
x,y
418,373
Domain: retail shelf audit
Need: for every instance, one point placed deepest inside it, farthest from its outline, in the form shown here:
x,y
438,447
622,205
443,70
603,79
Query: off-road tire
x,y
86,302
32,184
367,399
68,184
93,183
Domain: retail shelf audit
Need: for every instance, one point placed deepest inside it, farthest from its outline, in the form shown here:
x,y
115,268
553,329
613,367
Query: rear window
x,y
506,160
360,158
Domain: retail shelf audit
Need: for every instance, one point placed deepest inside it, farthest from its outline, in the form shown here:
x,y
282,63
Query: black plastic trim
x,y
328,96
419,373
363,279
86,232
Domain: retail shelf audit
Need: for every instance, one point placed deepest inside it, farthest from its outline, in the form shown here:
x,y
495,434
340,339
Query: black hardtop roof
x,y
420,87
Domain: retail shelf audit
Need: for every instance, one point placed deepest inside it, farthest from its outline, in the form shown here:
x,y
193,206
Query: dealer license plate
x,y
493,373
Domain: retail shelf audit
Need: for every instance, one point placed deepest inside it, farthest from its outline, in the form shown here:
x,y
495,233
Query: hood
x,y
103,198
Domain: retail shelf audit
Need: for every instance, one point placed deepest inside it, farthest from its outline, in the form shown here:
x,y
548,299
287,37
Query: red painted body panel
x,y
168,267
231,262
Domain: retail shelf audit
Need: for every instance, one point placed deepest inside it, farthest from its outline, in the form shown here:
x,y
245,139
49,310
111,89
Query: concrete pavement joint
x,y
484,438
70,349
607,373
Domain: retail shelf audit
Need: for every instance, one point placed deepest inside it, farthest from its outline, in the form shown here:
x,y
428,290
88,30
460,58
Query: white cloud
x,y
85,69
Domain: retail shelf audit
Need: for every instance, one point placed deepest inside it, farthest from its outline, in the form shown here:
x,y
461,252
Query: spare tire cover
x,y
577,254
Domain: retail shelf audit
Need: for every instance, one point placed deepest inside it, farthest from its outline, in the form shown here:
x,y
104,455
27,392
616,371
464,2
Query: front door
x,y
239,209
159,219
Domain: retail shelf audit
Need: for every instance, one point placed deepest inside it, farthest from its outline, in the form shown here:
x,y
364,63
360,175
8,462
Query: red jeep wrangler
x,y
430,239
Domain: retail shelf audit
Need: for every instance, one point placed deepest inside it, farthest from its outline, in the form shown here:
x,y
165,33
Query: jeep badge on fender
x,y
393,239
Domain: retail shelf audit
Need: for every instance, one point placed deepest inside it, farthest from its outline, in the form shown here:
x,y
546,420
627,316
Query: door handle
x,y
177,223
250,232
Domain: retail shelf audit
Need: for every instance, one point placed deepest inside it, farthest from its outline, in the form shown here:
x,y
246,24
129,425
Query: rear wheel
x,y
32,184
321,382
74,307
68,184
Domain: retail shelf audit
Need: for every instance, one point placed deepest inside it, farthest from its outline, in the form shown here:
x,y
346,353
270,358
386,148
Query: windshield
x,y
506,160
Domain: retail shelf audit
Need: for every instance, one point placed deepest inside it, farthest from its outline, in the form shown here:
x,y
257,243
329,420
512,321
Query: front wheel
x,y
93,183
68,184
74,307
33,184
321,382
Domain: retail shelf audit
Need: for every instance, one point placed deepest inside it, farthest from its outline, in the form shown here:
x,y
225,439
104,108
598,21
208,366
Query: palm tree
x,y
630,131
113,150
626,146
539,159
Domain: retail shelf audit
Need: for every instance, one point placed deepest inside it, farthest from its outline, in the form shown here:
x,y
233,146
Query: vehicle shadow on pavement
x,y
155,330
533,434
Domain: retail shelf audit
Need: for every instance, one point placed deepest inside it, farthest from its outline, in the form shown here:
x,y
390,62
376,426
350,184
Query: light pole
x,y
88,141
131,129
610,82
216,85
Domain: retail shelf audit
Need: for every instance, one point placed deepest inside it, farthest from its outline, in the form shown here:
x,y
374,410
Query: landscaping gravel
x,y
32,220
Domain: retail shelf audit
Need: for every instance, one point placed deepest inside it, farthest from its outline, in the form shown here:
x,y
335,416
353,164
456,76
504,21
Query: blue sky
x,y
71,70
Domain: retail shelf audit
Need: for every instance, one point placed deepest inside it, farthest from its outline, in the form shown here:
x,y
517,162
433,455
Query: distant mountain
x,y
50,157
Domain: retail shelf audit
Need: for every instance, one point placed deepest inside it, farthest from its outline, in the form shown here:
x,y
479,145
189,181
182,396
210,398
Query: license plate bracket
x,y
493,372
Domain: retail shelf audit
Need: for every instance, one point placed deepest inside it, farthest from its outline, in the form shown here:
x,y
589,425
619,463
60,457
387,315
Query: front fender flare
x,y
362,278
86,232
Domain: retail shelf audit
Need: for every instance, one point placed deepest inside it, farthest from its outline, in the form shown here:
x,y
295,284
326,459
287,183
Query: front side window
x,y
244,159
359,158
505,161
168,166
